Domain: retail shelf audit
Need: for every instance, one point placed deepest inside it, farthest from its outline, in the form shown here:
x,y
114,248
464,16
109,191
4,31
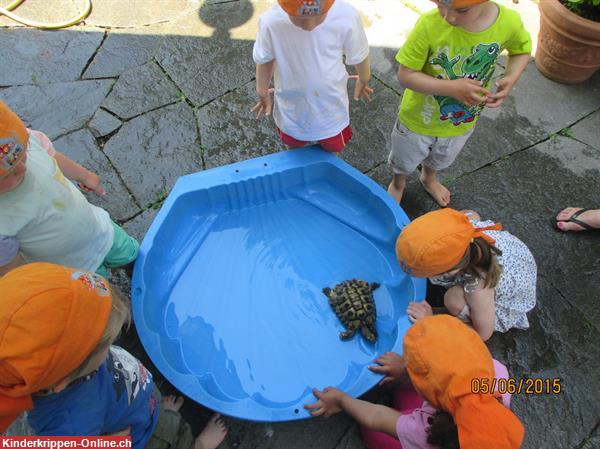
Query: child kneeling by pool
x,y
57,362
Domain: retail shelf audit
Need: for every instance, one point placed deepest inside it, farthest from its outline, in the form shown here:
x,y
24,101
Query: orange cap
x,y
435,242
443,355
305,7
13,139
455,4
51,319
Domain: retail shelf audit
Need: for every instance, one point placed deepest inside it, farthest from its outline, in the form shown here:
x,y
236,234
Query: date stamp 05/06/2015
x,y
524,385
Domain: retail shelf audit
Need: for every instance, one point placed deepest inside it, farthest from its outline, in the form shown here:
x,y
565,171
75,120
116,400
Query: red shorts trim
x,y
333,144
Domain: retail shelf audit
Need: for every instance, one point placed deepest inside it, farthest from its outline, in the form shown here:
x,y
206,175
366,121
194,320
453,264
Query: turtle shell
x,y
352,301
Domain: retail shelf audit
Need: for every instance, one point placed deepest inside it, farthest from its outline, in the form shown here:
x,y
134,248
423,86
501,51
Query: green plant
x,y
566,132
588,9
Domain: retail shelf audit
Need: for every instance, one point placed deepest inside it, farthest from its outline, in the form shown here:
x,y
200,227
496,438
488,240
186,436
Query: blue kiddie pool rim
x,y
240,171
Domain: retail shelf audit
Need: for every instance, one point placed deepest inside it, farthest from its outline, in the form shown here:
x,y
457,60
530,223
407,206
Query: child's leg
x,y
454,300
173,432
212,435
396,187
443,151
408,151
438,192
406,399
123,251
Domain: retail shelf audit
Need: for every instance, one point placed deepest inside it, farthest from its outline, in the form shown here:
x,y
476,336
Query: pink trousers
x,y
406,399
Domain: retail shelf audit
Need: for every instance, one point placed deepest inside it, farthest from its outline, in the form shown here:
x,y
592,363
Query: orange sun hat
x,y
51,319
13,139
303,8
435,242
443,356
456,4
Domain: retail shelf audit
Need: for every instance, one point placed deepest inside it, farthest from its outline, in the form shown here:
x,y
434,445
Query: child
x,y
446,66
56,360
44,216
302,43
490,274
442,357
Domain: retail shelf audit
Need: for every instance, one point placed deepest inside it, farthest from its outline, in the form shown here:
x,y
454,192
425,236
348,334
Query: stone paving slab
x,y
81,147
120,52
372,124
58,108
151,151
229,131
206,67
588,130
141,89
40,57
103,123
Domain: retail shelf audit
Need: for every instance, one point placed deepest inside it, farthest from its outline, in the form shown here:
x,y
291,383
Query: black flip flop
x,y
573,219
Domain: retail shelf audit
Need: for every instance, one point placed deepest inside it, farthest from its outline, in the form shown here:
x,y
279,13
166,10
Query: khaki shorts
x,y
410,149
171,431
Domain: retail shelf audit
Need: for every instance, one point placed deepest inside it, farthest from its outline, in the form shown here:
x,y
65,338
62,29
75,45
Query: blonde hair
x,y
480,260
119,316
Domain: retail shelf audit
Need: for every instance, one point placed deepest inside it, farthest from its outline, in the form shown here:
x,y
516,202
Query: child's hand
x,y
264,105
361,89
503,88
391,365
92,183
469,92
418,310
329,402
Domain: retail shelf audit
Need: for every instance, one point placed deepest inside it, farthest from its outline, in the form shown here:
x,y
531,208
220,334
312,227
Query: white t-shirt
x,y
50,219
311,96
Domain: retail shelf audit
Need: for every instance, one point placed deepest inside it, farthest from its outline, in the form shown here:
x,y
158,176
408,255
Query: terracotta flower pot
x,y
568,49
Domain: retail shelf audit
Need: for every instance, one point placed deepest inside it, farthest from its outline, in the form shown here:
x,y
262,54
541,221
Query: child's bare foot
x,y
438,192
172,403
212,435
396,187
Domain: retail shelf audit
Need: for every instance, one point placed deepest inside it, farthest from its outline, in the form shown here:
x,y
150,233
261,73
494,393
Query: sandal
x,y
572,219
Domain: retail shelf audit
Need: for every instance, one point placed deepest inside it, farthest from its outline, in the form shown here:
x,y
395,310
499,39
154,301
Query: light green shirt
x,y
441,50
51,219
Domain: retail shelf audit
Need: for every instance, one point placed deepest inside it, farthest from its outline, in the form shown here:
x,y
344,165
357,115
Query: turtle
x,y
352,301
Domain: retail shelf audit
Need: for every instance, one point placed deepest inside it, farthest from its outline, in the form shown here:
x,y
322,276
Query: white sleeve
x,y
263,46
356,46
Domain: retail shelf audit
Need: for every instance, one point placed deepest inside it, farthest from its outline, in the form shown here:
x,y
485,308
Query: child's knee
x,y
454,300
471,214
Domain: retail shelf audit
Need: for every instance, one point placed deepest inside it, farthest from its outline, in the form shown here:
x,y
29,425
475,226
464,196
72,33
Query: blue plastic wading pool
x,y
227,288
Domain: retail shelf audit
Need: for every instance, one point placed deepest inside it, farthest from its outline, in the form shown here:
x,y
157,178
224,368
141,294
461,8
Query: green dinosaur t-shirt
x,y
438,49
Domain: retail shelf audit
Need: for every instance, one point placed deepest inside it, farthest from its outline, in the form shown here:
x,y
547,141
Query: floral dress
x,y
516,290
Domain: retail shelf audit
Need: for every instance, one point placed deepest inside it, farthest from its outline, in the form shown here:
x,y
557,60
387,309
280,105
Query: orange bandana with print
x,y
443,356
304,8
51,319
13,139
435,242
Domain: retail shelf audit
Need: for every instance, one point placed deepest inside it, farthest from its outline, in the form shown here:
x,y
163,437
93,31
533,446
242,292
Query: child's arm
x,y
465,90
514,68
373,416
362,88
482,311
264,73
75,172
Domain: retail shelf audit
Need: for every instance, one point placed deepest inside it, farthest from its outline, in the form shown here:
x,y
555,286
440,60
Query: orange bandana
x,y
435,242
51,319
305,8
456,4
443,356
13,139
